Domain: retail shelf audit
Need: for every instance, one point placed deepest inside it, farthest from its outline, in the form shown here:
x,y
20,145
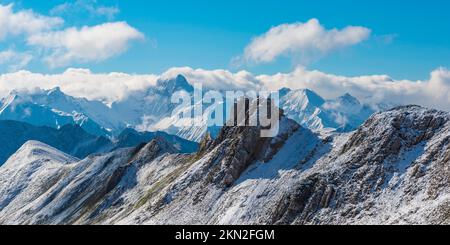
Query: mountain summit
x,y
175,84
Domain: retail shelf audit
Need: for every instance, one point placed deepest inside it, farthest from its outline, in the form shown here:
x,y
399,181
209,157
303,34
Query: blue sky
x,y
409,39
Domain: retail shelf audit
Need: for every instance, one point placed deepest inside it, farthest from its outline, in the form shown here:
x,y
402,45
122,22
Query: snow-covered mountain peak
x,y
302,99
55,91
33,151
54,97
36,148
284,91
175,84
54,108
348,99
306,107
7,101
311,95
344,104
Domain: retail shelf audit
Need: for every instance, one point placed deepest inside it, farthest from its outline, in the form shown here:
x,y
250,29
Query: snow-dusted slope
x,y
393,170
41,186
28,174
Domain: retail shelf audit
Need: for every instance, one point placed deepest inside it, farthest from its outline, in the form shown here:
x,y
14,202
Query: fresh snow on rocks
x,y
394,169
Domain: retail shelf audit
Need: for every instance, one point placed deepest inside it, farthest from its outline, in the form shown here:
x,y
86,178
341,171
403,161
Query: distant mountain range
x,y
307,108
151,110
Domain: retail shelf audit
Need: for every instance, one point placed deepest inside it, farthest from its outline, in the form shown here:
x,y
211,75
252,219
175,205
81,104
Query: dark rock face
x,y
242,146
304,201
237,147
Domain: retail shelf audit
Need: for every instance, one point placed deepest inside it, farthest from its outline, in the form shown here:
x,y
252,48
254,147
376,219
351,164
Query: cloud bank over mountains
x,y
110,87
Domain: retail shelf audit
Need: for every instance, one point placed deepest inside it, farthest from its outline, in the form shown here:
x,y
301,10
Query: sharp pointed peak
x,y
14,93
181,78
349,98
284,91
176,83
347,95
56,91
308,95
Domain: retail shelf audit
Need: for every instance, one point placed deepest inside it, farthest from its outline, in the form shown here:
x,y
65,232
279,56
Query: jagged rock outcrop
x,y
391,170
394,169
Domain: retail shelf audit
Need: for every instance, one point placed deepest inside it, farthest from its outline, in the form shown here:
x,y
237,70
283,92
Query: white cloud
x,y
24,22
14,60
89,6
88,44
59,47
302,41
111,87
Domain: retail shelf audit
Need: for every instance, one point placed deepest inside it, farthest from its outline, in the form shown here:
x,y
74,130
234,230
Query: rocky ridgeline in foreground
x,y
393,170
